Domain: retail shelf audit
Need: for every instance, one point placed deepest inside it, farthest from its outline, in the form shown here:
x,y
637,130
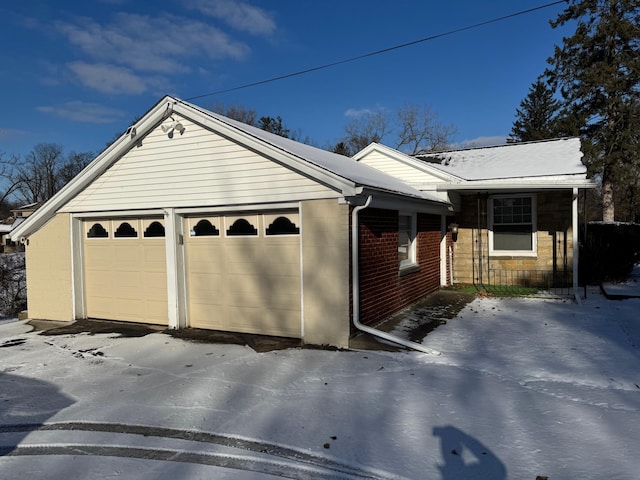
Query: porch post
x,y
576,247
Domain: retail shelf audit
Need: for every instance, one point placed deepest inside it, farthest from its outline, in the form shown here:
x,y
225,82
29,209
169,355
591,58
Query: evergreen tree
x,y
597,71
536,119
274,125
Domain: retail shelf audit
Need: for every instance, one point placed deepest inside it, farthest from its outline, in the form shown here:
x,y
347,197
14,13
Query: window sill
x,y
408,269
512,255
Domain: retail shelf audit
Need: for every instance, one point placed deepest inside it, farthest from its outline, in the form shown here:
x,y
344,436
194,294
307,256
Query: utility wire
x,y
379,52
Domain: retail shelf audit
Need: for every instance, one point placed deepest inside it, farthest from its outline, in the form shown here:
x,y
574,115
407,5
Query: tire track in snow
x,y
306,465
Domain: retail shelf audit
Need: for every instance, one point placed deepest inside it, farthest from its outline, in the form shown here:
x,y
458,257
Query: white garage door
x,y
243,273
125,270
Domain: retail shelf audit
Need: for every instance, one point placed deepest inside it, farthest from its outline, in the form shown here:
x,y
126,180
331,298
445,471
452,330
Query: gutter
x,y
355,281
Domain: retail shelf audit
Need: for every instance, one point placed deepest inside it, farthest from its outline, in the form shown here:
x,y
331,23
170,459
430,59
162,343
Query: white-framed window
x,y
512,225
407,226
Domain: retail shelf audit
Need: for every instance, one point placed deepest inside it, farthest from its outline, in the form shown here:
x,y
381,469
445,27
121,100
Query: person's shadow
x,y
465,458
25,404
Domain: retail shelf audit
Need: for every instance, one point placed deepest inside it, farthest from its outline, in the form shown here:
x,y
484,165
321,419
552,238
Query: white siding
x,y
401,170
197,168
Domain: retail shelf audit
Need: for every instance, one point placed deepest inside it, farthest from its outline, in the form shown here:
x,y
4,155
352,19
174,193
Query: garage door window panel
x,y
242,226
97,230
126,230
282,225
155,229
204,228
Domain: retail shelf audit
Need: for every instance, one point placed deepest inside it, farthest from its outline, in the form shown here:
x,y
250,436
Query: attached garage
x,y
194,220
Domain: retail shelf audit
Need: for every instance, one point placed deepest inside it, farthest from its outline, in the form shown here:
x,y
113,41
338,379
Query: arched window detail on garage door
x,y
97,231
155,229
205,228
283,226
242,227
125,230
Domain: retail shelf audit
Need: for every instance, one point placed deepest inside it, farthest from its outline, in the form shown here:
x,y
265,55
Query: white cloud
x,y
108,78
239,15
360,112
144,43
10,133
483,141
84,112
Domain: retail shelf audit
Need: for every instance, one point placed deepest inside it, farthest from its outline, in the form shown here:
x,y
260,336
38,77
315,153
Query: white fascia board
x,y
98,166
330,179
548,185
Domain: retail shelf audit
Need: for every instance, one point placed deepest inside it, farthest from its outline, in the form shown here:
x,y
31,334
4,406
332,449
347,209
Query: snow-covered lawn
x,y
523,387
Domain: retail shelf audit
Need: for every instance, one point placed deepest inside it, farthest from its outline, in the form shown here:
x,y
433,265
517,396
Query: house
x,y
191,219
18,215
515,207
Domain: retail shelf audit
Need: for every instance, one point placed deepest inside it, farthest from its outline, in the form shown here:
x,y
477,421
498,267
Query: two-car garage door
x,y
242,271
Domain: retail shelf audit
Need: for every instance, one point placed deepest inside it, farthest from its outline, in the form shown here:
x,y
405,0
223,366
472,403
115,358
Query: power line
x,y
379,52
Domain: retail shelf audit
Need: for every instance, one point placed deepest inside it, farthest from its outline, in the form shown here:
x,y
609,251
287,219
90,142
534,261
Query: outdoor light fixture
x,y
174,126
453,228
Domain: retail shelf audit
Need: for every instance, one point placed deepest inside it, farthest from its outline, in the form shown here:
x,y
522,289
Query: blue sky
x,y
77,73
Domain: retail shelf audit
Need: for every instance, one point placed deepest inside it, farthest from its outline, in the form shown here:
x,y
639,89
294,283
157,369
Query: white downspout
x,y
355,273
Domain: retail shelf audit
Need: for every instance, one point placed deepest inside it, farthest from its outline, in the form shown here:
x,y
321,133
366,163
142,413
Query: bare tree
x,y
365,129
237,112
413,130
8,183
45,170
73,165
420,130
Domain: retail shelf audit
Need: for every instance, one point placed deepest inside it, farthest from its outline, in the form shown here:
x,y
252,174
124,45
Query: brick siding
x,y
383,291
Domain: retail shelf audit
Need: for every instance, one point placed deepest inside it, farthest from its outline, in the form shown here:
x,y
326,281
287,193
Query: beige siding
x,y
325,251
197,168
401,170
49,271
244,284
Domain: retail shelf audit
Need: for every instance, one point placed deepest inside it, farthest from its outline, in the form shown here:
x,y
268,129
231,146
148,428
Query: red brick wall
x,y
383,291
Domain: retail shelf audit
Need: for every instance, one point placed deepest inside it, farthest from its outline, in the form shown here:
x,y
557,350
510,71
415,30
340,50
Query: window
x,y
125,230
155,229
406,240
282,226
512,228
97,231
242,227
204,228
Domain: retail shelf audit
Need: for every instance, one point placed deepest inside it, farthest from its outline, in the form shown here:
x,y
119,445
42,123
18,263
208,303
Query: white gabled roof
x,y
549,158
403,158
341,173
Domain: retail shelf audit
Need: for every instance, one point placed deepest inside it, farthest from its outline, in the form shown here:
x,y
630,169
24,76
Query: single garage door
x,y
125,271
243,272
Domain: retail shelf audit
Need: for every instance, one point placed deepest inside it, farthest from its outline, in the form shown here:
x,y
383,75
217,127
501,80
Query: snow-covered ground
x,y
523,387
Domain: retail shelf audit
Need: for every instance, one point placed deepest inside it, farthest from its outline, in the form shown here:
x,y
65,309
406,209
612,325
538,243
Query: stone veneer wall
x,y
554,235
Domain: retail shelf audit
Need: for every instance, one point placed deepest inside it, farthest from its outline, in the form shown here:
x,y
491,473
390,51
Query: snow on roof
x,y
546,158
340,165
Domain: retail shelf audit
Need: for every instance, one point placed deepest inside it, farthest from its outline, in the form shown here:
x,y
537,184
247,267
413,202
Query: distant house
x,y
515,207
18,215
191,219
